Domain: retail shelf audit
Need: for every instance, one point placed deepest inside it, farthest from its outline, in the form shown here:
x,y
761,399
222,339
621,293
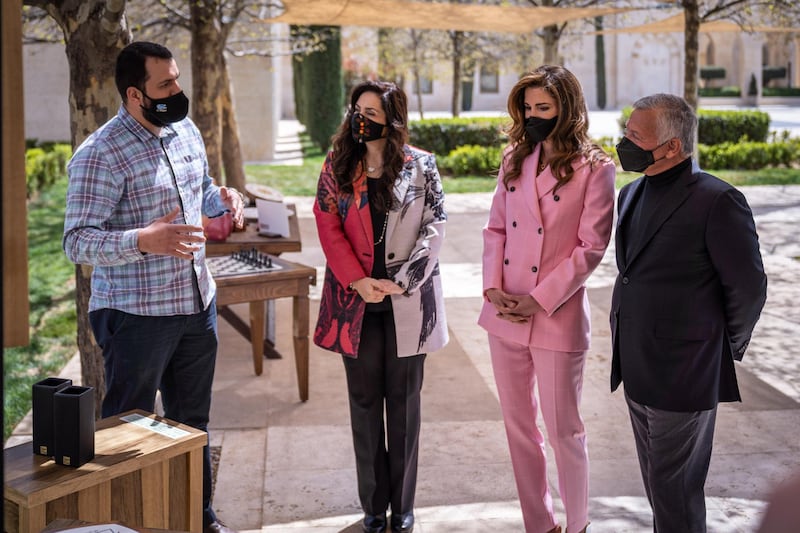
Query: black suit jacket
x,y
684,306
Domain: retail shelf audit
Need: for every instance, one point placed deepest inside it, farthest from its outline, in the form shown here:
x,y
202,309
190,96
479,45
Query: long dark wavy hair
x,y
348,154
570,138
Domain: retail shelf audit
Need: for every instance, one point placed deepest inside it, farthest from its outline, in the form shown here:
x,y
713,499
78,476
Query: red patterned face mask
x,y
365,130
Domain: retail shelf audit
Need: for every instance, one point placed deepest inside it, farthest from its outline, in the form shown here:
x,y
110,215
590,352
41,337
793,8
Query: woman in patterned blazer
x,y
548,227
380,217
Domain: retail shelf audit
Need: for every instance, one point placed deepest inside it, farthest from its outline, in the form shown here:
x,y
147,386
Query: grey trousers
x,y
674,450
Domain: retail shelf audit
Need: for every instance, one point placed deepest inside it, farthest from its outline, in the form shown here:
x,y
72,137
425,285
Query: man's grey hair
x,y
674,118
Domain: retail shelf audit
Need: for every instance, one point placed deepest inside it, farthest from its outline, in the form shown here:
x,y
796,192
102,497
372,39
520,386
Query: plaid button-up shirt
x,y
121,179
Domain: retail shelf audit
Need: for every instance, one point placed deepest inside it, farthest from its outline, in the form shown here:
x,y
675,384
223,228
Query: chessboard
x,y
241,263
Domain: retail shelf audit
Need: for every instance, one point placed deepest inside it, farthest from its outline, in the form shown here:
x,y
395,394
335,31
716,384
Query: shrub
x,y
472,160
769,73
441,136
749,155
728,90
715,127
712,73
780,91
44,165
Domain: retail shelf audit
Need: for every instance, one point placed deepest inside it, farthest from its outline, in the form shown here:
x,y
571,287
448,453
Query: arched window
x,y
710,53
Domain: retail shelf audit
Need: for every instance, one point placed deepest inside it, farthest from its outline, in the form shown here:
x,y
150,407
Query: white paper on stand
x,y
273,218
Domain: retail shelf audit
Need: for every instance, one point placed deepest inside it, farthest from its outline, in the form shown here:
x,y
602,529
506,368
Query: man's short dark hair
x,y
130,71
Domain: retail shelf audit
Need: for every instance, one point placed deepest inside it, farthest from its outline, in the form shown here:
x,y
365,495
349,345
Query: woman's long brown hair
x,y
570,137
347,153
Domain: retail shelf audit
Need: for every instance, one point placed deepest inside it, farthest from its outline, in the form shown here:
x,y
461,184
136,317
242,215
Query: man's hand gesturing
x,y
162,237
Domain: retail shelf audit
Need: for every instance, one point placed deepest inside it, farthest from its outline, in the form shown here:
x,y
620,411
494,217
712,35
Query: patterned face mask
x,y
365,130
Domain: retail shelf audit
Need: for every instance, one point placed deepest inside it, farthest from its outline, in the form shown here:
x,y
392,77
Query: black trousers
x,y
386,455
674,451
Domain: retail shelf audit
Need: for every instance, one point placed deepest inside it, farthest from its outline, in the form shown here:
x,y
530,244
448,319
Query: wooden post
x,y
15,227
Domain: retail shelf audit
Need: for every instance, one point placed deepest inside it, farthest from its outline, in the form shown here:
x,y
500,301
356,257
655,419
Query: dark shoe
x,y
403,523
373,523
218,527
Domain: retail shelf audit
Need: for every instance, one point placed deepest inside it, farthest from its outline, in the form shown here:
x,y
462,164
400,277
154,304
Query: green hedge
x,y
44,165
715,127
780,91
472,160
749,155
442,136
727,91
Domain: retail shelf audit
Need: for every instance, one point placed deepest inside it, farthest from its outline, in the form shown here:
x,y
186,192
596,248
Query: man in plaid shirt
x,y
138,187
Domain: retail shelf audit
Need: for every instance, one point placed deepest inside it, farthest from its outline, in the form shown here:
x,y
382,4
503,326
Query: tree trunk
x,y
94,32
231,149
206,49
415,38
455,104
600,63
691,11
550,37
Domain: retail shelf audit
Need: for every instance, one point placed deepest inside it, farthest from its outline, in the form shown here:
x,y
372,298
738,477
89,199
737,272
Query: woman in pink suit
x,y
380,217
548,228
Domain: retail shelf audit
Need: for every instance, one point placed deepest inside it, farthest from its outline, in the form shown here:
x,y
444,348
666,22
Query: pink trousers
x,y
517,369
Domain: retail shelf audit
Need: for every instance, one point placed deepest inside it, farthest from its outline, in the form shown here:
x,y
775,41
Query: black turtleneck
x,y
652,191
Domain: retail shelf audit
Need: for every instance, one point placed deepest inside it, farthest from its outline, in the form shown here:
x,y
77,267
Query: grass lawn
x,y
52,308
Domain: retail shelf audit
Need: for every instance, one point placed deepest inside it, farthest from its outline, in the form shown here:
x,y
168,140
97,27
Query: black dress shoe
x,y
403,523
374,523
217,527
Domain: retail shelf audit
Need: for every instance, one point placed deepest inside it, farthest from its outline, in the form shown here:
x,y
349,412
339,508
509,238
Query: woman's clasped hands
x,y
513,307
374,290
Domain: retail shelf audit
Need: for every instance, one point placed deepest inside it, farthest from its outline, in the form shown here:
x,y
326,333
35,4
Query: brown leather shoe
x,y
218,527
556,529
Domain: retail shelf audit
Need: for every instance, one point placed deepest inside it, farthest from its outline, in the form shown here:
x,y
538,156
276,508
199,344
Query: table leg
x,y
300,327
32,519
155,495
257,335
94,503
195,492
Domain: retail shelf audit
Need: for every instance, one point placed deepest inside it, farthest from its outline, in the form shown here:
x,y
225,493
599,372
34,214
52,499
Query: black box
x,y
73,409
43,421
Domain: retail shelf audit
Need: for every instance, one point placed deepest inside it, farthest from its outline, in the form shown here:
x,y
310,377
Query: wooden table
x,y
292,280
249,238
146,473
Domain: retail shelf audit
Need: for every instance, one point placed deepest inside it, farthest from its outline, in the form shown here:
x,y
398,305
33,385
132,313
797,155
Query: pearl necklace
x,y
383,231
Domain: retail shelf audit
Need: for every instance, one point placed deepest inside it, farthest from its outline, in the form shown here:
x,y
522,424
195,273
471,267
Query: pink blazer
x,y
546,244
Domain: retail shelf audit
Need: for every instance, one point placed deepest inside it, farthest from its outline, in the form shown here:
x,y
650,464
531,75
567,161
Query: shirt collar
x,y
140,131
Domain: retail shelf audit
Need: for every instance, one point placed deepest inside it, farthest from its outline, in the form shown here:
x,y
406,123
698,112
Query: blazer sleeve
x,y
424,257
594,233
330,210
494,237
732,244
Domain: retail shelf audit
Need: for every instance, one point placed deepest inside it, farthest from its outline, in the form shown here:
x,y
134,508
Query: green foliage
x,y
752,87
44,165
715,127
750,155
712,73
780,91
52,306
728,91
769,73
323,88
443,135
471,159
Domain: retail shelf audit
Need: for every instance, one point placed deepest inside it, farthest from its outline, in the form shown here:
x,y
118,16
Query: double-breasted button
x,y
625,280
556,197
391,255
505,261
534,269
540,231
512,189
514,224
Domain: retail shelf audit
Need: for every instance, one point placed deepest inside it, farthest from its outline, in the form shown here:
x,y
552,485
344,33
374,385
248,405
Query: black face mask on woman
x,y
539,128
634,158
163,111
365,130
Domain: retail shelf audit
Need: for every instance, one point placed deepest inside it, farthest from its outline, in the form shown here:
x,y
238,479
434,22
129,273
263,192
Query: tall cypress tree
x,y
323,87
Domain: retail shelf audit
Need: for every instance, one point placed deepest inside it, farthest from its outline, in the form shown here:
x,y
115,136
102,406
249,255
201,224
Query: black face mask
x,y
365,130
633,158
163,111
539,128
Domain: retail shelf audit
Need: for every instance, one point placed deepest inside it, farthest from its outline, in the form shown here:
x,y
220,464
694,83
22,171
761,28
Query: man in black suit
x,y
690,289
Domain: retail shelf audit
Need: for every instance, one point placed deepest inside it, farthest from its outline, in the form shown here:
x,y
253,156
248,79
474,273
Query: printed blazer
x,y
414,235
546,244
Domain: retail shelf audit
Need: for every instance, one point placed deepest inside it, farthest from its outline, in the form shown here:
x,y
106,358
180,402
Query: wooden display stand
x,y
146,473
